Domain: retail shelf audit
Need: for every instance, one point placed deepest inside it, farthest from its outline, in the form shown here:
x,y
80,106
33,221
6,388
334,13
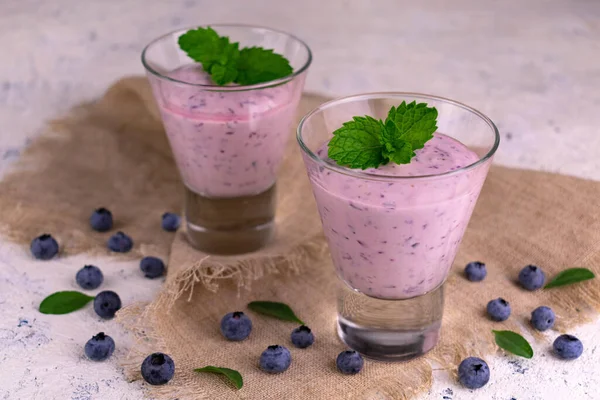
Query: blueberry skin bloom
x,y
152,267
475,271
473,373
498,309
158,369
89,277
120,243
275,359
106,304
44,247
568,347
532,277
99,347
101,220
542,318
302,337
349,362
236,326
170,222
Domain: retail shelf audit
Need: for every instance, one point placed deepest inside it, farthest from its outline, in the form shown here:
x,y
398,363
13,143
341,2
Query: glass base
x,y
390,330
230,225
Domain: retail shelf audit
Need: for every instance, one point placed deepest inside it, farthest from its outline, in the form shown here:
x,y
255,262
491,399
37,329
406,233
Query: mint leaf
x,y
514,343
366,142
64,302
414,124
274,309
257,65
570,276
357,144
226,63
217,55
234,376
401,154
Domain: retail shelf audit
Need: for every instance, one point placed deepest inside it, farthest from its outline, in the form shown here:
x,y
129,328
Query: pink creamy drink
x,y
397,238
226,144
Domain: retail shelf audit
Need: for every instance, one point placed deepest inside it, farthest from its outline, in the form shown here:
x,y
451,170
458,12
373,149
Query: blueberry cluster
x,y
157,368
237,326
473,372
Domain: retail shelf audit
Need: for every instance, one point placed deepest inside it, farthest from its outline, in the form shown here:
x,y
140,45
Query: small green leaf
x,y
231,374
357,143
514,343
274,309
64,302
569,276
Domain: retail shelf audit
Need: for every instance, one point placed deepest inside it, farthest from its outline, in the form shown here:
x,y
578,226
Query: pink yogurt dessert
x,y
395,238
226,143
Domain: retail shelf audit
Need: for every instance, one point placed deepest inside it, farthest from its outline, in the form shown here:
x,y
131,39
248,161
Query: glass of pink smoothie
x,y
228,141
393,231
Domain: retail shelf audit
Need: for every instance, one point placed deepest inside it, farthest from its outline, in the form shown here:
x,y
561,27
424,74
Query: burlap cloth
x,y
114,153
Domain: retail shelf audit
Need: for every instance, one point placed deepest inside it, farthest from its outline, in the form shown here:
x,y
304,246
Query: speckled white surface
x,y
533,66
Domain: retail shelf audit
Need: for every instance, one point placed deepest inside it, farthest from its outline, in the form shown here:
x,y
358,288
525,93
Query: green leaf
x,y
357,143
569,276
274,309
415,124
514,343
64,302
217,55
234,376
257,65
401,154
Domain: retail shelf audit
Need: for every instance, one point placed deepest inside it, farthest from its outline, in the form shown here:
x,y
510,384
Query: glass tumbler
x,y
393,233
228,141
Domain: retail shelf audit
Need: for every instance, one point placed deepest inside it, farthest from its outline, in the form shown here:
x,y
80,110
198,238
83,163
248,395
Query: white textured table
x,y
532,66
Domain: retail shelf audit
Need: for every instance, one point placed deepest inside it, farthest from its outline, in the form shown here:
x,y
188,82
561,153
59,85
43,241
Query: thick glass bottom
x,y
390,330
230,225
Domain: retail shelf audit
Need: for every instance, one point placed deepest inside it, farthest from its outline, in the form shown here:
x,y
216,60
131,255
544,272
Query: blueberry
x,y
120,243
532,277
44,247
152,267
475,271
542,318
101,220
498,309
106,304
568,347
170,222
89,277
158,369
236,326
302,337
473,373
275,359
99,347
349,362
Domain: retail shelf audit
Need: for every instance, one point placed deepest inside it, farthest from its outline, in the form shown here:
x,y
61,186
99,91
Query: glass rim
x,y
239,88
379,177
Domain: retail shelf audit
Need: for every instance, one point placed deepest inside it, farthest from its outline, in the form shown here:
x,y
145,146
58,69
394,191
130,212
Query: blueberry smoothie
x,y
394,238
226,143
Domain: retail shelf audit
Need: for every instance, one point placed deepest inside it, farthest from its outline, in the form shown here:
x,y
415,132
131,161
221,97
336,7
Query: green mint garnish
x,y
514,343
366,142
226,63
64,302
273,309
231,374
569,276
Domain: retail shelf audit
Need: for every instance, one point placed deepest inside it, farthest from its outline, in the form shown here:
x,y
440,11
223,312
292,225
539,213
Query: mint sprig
x,y
366,142
226,63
